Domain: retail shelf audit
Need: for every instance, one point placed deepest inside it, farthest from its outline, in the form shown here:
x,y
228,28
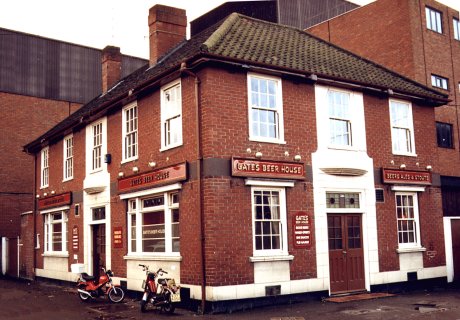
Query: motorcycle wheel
x,y
116,294
83,297
169,308
143,306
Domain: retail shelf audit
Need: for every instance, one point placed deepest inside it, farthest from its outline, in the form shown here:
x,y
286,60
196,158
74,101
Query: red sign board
x,y
301,228
75,238
55,201
267,169
406,177
153,178
117,237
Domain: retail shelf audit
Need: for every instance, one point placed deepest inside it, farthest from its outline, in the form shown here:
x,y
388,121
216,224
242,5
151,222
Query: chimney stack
x,y
111,67
167,28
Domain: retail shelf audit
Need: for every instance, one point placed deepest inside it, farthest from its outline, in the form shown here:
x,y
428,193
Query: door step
x,y
358,296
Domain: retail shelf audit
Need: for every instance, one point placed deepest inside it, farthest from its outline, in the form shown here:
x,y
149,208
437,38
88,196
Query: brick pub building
x,y
428,51
42,81
252,160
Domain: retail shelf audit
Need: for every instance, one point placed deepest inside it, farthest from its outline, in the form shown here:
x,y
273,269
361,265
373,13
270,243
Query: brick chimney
x,y
111,67
167,28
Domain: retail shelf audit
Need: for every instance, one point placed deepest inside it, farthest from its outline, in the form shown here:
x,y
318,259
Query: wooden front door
x,y
346,256
98,248
455,228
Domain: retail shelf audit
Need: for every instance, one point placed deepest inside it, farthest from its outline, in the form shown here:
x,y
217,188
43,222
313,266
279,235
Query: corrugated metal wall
x,y
45,68
264,10
296,13
306,13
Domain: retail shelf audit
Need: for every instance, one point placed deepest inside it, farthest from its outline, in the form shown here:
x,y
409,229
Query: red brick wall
x,y
24,119
378,137
393,33
227,200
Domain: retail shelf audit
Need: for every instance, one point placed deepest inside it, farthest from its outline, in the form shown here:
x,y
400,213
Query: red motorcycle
x,y
90,288
163,295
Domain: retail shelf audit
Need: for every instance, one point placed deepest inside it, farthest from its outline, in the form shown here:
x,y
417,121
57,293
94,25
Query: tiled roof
x,y
258,42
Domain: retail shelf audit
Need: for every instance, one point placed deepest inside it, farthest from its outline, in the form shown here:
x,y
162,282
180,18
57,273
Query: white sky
x,y
97,23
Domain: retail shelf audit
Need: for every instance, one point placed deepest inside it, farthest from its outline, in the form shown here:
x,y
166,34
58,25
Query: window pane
x,y
153,232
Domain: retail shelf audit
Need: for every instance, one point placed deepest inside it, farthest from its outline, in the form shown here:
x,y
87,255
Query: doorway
x,y
98,248
455,229
346,255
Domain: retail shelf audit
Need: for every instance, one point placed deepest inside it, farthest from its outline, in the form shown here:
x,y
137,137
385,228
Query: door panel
x,y
455,228
346,257
98,248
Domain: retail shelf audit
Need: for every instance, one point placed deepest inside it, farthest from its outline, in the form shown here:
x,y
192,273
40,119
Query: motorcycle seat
x,y
87,277
163,281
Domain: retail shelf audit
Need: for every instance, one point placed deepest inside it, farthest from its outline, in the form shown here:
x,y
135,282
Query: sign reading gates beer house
x,y
267,169
153,178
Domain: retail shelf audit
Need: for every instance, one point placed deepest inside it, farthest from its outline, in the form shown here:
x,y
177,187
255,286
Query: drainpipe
x,y
199,159
34,215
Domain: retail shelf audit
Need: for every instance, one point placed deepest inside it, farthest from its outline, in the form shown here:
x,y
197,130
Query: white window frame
x,y
439,82
456,23
343,118
135,208
97,146
44,167
168,115
48,238
409,129
68,158
433,20
415,219
278,110
130,142
283,251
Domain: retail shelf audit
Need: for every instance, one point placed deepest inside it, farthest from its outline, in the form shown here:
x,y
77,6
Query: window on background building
x,y
153,224
444,135
265,109
339,118
68,158
433,20
171,116
402,128
456,29
130,143
269,221
408,220
439,82
56,232
45,168
97,147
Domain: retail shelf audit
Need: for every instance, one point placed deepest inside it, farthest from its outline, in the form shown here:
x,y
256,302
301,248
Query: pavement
x,y
41,300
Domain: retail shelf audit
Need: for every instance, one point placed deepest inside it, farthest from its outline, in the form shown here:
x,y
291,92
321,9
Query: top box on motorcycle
x,y
77,268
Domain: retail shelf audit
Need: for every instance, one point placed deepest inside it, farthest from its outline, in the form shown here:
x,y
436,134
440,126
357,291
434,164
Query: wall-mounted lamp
x,y
53,192
121,174
248,150
135,169
392,162
429,168
403,166
297,157
37,196
152,164
259,154
286,153
45,194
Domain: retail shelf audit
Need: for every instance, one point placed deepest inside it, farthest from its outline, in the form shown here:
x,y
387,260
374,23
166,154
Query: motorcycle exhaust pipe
x,y
84,292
